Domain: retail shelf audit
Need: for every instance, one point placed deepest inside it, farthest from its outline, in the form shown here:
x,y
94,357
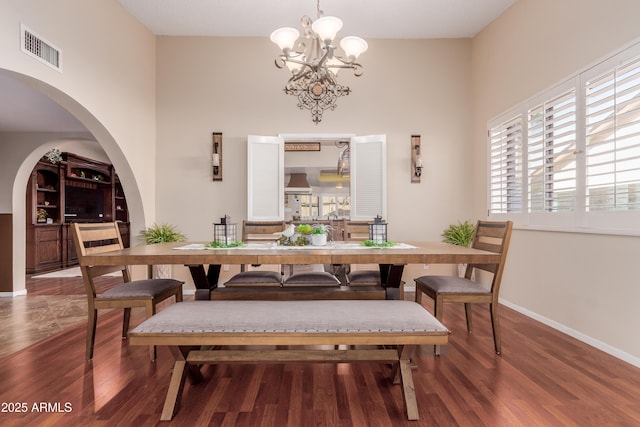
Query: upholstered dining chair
x,y
93,238
489,236
358,231
258,231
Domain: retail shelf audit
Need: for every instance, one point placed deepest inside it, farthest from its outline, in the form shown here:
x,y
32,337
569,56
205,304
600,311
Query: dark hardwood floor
x,y
543,378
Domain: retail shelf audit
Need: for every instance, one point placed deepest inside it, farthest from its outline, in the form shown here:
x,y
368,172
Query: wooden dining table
x,y
205,264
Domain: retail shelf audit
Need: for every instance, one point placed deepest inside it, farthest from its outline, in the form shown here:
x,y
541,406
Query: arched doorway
x,y
22,144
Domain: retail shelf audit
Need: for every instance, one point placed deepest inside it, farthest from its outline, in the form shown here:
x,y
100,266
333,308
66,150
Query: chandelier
x,y
314,64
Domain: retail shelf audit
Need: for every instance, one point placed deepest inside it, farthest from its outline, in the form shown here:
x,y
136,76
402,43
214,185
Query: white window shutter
x,y
505,167
265,178
551,143
612,104
368,177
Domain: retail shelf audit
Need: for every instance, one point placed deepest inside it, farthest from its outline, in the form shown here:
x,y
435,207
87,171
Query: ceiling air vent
x,y
33,45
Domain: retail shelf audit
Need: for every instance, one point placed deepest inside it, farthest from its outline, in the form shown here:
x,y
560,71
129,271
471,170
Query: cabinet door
x,y
368,177
265,178
48,249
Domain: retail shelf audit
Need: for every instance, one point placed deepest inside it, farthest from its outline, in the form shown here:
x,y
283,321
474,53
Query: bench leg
x,y
408,390
175,390
406,377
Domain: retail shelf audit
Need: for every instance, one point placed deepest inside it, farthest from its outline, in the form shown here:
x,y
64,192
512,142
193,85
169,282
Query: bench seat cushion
x,y
309,317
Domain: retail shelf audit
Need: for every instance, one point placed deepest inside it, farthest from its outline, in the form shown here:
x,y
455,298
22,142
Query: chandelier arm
x,y
358,70
301,75
327,54
280,61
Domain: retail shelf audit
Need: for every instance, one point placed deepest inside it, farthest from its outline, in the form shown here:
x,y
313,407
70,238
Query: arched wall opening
x,y
19,153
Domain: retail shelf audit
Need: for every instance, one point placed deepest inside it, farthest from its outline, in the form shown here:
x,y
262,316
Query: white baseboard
x,y
615,352
13,294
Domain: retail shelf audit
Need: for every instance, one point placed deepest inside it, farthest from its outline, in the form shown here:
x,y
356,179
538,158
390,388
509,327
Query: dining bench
x,y
211,332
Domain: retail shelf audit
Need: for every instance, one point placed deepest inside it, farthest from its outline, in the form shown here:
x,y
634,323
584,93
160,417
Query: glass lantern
x,y
378,230
225,232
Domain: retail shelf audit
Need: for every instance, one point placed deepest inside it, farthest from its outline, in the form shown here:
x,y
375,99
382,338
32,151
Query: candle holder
x,y
216,157
225,232
378,230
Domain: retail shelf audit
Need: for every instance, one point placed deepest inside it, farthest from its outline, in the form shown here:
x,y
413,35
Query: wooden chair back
x,y
356,231
94,238
492,236
261,231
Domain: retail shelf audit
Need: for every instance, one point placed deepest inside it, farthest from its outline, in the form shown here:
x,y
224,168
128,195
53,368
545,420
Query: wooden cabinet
x,y
44,247
77,189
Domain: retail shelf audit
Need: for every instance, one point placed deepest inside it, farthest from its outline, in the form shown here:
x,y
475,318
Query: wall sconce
x,y
416,158
216,157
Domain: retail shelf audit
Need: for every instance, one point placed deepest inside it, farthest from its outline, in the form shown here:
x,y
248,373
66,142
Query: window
x,y
612,103
570,158
551,144
506,167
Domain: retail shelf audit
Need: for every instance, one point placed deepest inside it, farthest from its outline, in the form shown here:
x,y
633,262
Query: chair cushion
x,y
451,285
253,278
364,278
312,278
148,288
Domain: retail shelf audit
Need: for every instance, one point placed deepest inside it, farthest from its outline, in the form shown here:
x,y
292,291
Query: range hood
x,y
298,184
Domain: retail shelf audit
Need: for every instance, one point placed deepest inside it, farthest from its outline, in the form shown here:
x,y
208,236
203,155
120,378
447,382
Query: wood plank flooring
x,y
543,378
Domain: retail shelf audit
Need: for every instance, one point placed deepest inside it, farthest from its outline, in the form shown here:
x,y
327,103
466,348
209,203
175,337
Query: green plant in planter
x,y
304,229
162,233
321,229
460,234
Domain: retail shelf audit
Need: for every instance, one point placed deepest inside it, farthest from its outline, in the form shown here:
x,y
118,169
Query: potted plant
x,y
162,233
319,234
460,234
304,234
41,215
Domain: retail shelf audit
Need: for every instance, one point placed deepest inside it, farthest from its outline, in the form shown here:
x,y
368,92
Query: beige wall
x,y
230,85
108,83
580,283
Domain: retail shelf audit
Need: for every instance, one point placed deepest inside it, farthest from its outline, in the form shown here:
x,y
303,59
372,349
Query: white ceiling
x,y
23,109
364,18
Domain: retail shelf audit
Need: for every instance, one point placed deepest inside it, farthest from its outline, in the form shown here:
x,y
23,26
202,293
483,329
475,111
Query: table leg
x,y
204,282
391,278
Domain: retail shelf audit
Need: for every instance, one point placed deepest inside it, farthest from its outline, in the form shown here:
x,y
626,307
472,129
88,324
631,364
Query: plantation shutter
x,y
612,117
551,155
505,192
265,178
368,177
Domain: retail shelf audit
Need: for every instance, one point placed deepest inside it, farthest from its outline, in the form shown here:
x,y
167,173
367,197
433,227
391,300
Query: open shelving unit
x,y
77,189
